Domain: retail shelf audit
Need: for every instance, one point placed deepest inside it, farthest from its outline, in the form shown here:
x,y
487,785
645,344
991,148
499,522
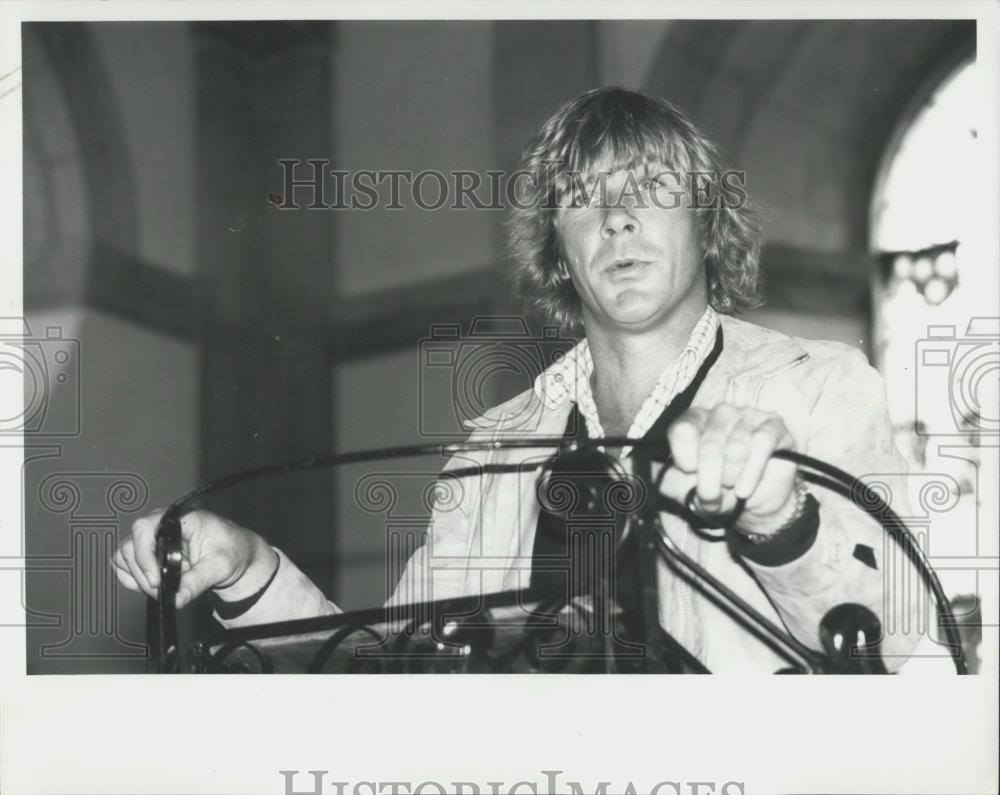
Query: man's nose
x,y
620,217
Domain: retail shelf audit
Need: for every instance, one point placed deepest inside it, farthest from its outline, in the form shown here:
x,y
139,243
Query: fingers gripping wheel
x,y
168,556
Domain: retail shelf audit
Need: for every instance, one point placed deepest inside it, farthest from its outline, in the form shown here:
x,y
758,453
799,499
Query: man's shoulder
x,y
779,369
761,343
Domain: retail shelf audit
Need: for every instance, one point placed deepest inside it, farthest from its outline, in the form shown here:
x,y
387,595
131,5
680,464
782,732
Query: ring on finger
x,y
712,519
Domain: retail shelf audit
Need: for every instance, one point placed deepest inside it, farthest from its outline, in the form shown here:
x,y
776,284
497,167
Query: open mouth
x,y
623,266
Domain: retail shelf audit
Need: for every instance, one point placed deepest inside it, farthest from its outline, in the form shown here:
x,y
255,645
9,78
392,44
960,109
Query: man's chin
x,y
636,321
637,309
638,312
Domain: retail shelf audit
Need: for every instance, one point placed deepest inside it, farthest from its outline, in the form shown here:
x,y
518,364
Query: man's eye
x,y
581,200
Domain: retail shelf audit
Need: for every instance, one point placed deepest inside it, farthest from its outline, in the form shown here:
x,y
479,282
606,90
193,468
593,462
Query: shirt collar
x,y
569,377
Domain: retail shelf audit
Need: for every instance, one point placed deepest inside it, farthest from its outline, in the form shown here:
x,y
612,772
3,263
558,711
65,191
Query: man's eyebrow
x,y
589,177
574,181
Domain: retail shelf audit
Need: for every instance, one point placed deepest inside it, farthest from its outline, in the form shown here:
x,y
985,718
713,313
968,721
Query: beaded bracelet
x,y
789,521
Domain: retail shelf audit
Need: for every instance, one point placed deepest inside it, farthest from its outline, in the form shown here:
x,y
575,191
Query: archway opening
x,y
936,341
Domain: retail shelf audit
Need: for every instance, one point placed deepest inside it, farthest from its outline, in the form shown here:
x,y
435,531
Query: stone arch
x,y
806,107
80,192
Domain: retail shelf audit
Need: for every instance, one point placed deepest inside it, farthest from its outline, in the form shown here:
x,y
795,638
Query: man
x,y
631,230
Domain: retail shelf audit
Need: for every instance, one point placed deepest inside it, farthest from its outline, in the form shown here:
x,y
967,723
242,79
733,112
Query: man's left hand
x,y
726,454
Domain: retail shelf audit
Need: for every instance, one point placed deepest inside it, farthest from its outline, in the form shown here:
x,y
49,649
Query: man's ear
x,y
561,270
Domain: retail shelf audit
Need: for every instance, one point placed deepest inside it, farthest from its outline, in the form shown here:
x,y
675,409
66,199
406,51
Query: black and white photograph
x,y
376,343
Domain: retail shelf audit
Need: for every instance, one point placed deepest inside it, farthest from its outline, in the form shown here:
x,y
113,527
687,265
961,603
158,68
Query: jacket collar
x,y
750,352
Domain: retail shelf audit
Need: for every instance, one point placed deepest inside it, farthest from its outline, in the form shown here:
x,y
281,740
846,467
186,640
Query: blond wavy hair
x,y
624,129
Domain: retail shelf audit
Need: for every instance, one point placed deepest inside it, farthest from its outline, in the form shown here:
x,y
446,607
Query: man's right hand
x,y
216,553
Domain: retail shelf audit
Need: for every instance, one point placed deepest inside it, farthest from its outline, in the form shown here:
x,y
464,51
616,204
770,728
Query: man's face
x,y
633,252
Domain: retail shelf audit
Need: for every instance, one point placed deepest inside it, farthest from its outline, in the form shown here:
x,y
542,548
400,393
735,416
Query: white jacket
x,y
481,534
